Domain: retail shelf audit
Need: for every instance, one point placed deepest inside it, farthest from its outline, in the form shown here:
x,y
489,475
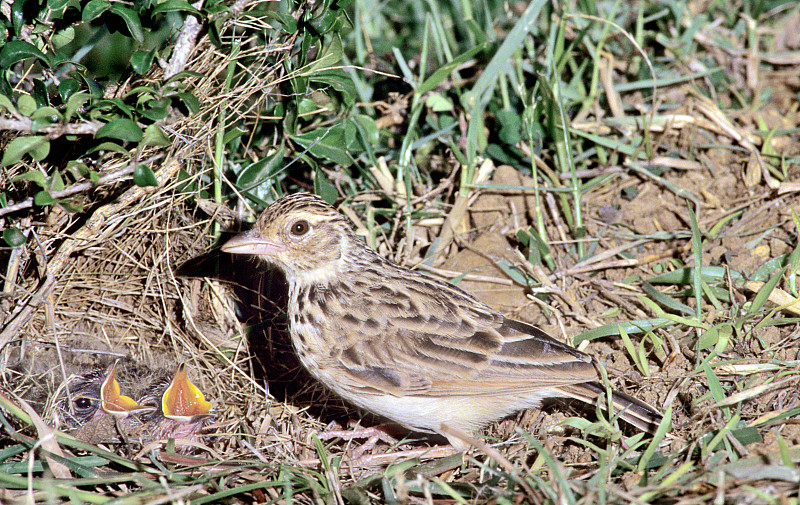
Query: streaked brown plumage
x,y
398,343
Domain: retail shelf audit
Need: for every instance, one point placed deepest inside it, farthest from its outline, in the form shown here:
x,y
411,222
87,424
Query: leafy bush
x,y
85,84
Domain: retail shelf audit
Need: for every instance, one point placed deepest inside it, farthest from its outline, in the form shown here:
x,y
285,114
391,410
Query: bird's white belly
x,y
427,414
421,412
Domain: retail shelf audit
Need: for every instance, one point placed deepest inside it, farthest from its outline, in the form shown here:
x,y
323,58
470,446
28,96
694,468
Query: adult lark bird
x,y
403,345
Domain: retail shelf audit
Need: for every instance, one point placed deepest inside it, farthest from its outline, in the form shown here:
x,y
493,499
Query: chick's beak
x,y
251,242
183,400
112,401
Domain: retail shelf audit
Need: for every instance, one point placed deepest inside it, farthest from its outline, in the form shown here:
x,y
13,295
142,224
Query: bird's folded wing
x,y
442,355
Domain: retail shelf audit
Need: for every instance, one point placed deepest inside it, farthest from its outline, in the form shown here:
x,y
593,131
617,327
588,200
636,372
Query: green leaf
x,y
326,143
142,93
33,176
306,106
35,145
231,135
710,275
725,332
764,272
63,37
748,435
43,117
635,356
288,23
181,77
5,103
190,101
15,51
340,81
156,110
652,457
155,136
122,129
513,41
110,146
40,93
56,5
93,10
514,273
697,250
43,198
260,171
538,248
438,103
717,391
26,105
74,103
324,188
143,176
329,19
67,88
131,21
510,126
441,73
17,16
612,329
666,300
329,56
13,237
708,338
176,6
359,128
110,104
73,208
56,182
476,31
141,61
78,169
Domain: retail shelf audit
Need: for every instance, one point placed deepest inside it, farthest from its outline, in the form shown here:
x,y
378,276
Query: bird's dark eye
x,y
299,228
82,403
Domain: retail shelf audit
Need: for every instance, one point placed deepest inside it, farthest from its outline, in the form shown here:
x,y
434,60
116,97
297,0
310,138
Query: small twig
x,y
450,274
187,40
83,186
54,131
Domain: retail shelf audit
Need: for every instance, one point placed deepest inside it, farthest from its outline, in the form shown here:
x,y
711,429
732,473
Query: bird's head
x,y
300,234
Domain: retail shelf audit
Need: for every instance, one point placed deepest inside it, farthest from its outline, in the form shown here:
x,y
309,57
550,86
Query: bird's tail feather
x,y
634,411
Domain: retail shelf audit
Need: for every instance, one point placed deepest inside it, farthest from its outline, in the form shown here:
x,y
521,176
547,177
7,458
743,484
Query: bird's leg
x,y
379,433
373,435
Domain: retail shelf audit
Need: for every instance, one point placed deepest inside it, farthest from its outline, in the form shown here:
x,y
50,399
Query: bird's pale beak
x,y
183,400
112,401
251,242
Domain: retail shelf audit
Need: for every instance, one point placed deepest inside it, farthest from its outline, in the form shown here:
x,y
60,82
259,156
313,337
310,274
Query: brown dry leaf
x,y
778,296
752,171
